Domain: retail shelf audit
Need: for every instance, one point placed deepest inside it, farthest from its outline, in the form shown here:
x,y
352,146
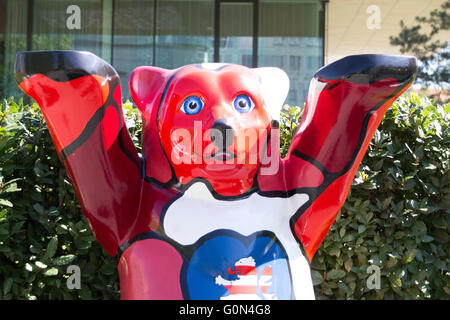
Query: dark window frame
x,y
30,13
216,28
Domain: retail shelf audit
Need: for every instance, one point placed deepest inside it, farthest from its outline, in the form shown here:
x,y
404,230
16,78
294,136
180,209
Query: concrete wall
x,y
351,26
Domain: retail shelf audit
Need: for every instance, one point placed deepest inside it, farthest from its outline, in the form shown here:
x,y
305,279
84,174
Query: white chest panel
x,y
198,213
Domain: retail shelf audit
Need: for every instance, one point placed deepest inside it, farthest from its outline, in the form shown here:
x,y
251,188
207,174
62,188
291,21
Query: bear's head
x,y
208,122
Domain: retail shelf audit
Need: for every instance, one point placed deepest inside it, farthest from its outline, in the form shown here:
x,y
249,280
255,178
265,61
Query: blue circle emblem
x,y
231,266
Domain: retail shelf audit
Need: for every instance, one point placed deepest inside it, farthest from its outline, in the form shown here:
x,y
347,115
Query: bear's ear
x,y
275,87
145,84
146,87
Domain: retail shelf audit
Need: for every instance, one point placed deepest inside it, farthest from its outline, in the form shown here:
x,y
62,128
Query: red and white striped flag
x,y
251,283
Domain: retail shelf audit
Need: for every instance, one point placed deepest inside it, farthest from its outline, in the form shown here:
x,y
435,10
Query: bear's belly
x,y
197,216
227,265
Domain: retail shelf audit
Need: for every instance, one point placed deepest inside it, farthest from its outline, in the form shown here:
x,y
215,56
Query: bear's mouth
x,y
222,155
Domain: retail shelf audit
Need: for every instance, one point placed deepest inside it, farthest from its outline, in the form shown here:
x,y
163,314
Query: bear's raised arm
x,y
80,97
346,102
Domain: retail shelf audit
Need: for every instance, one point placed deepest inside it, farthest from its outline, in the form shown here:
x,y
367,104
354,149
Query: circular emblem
x,y
228,265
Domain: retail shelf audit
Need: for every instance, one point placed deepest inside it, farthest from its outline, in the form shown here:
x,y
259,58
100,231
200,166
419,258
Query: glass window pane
x,y
184,32
52,29
236,33
289,38
53,26
133,37
15,39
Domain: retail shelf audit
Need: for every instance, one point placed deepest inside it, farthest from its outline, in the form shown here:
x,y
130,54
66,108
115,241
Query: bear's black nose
x,y
222,134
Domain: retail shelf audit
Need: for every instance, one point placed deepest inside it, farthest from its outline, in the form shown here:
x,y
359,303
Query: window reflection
x,y
133,37
169,34
184,32
289,38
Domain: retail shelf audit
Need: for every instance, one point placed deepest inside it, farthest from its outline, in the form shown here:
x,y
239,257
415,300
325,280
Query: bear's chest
x,y
198,213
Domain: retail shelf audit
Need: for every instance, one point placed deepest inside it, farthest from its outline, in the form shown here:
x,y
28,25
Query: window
x,y
277,61
184,32
48,32
290,30
168,34
247,60
236,33
132,42
294,64
14,35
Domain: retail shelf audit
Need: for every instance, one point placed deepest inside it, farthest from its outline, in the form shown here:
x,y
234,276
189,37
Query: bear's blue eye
x,y
192,105
243,103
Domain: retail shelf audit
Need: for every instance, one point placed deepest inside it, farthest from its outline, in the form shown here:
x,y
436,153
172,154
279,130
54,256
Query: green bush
x,y
42,229
395,217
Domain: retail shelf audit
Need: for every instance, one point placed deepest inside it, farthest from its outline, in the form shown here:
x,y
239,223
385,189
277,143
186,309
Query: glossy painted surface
x,y
202,215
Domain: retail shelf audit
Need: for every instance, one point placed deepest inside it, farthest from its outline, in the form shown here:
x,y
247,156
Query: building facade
x,y
169,33
298,36
364,26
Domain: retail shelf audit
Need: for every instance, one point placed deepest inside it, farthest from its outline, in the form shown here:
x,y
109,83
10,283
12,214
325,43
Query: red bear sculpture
x,y
210,210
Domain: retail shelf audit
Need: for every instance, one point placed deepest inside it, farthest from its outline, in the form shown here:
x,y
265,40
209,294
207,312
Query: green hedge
x,y
396,214
395,217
